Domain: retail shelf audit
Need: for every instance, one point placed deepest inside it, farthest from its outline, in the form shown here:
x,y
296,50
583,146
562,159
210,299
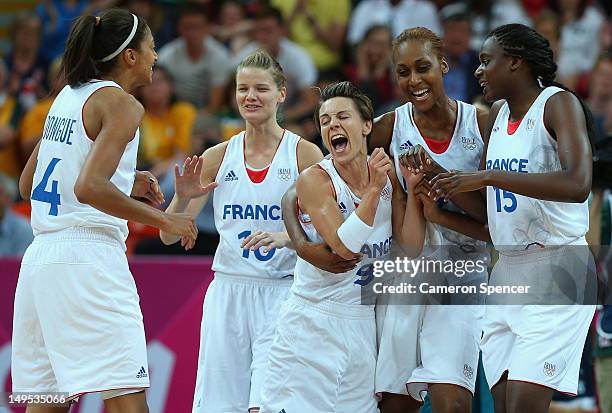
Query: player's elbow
x,y
580,190
84,191
25,188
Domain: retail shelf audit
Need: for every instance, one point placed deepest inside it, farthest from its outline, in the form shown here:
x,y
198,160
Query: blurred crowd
x,y
190,104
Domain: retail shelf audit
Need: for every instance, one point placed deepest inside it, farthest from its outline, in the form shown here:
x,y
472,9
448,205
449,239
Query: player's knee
x,y
397,404
454,405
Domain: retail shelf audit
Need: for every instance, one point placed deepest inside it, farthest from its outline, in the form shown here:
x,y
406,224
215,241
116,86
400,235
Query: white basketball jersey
x,y
63,149
517,221
463,153
315,284
243,207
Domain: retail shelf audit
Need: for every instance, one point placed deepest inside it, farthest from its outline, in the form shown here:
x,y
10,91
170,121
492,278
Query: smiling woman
x,y
253,266
537,179
80,178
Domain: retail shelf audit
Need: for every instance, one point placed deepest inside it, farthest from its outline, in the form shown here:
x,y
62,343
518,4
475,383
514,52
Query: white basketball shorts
x,y
323,359
238,325
77,326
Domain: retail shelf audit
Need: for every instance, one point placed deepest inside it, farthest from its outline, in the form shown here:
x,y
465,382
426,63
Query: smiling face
x,y
145,59
257,95
493,74
343,129
419,73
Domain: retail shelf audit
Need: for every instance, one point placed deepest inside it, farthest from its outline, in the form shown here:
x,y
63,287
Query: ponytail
x,y
93,39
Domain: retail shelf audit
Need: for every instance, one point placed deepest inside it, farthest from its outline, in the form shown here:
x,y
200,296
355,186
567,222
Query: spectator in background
x,y
319,27
56,17
25,64
234,28
199,64
460,82
33,123
372,70
580,45
297,65
395,14
600,95
165,131
548,25
9,116
15,231
489,14
161,27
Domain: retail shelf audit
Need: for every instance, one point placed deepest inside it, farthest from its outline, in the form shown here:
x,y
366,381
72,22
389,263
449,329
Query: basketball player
x,y
429,133
537,179
346,201
251,171
77,326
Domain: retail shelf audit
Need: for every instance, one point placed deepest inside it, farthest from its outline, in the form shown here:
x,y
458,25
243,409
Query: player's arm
x,y
565,120
317,199
317,253
308,154
407,216
27,175
116,116
191,188
382,131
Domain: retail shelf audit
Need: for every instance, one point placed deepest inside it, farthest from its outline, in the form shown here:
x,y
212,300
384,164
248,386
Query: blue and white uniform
x,y
541,243
324,355
76,296
439,343
243,301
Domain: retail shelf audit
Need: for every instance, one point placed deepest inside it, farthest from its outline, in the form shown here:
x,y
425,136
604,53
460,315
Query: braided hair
x,y
523,42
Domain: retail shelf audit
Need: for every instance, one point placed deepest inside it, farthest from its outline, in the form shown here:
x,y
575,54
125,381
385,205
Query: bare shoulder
x,y
382,131
312,180
116,101
308,154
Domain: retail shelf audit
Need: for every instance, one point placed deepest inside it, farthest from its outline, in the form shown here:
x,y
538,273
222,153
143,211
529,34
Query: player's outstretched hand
x,y
379,166
181,224
446,185
267,240
187,185
321,256
147,186
417,160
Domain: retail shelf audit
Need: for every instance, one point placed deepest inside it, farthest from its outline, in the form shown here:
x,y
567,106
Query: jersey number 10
x,y
258,255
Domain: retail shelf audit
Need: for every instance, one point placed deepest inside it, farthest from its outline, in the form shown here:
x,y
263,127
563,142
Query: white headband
x,y
125,43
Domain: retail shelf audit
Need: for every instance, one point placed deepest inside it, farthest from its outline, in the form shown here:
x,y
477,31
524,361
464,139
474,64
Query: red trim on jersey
x,y
257,177
513,126
330,182
435,146
256,174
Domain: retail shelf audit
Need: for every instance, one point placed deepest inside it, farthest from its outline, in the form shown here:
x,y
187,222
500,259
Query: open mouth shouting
x,y
339,143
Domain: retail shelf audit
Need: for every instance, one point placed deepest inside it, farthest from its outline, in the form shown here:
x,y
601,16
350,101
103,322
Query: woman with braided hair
x,y
537,179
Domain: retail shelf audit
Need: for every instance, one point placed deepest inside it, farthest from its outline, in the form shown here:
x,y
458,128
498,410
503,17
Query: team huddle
x,y
285,326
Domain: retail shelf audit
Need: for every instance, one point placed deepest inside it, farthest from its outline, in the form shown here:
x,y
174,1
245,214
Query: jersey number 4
x,y
258,255
50,197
